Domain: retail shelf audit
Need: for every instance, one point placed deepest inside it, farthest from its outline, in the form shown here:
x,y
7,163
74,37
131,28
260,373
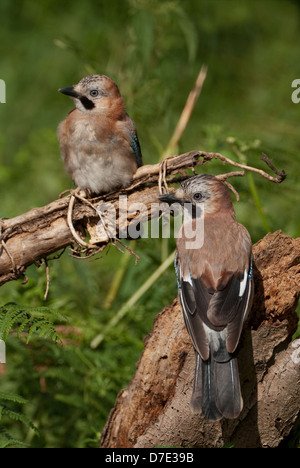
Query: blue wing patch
x,y
135,145
176,271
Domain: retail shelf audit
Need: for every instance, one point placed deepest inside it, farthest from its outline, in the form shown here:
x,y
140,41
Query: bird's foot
x,y
77,193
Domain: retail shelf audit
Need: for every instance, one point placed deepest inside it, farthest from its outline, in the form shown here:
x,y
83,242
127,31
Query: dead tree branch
x,y
154,410
33,236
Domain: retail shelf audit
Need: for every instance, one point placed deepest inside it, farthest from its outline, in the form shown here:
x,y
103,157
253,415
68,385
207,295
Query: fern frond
x,y
8,413
17,416
10,314
6,440
43,328
32,320
12,397
12,443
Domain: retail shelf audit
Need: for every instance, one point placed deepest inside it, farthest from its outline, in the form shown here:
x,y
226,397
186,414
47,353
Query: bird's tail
x,y
217,391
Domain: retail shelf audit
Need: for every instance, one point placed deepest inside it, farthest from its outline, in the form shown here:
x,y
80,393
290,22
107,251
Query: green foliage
x,y
154,50
29,320
8,413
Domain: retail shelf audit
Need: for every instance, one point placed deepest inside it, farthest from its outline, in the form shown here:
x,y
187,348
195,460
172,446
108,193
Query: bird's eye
x,y
197,196
94,93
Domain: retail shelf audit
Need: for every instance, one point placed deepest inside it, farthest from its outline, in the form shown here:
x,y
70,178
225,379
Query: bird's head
x,y
95,93
203,190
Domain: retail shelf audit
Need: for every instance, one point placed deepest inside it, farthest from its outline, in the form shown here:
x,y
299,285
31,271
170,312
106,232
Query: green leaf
x,y
12,397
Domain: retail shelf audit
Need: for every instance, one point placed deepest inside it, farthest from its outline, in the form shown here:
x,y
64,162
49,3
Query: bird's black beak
x,y
170,198
70,92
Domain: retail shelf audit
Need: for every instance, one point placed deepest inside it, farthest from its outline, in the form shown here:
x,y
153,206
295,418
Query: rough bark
x,y
154,409
30,237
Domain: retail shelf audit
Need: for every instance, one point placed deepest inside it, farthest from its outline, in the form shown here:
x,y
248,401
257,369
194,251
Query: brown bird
x,y
98,139
215,289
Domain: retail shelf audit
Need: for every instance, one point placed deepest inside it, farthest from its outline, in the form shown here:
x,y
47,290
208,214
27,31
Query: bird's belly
x,y
98,171
95,164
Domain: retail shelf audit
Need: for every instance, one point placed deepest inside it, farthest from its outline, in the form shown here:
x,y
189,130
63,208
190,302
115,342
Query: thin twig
x,y
87,253
233,190
62,194
223,177
191,159
277,180
57,257
282,174
187,111
13,263
25,281
71,226
116,241
162,177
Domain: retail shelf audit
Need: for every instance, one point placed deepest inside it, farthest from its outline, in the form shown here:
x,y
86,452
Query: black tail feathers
x,y
216,389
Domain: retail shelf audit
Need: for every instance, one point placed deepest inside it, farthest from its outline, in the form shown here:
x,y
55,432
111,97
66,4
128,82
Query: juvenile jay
x,y
98,139
215,290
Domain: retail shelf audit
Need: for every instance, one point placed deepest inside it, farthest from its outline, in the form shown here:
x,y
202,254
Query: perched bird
x,y
98,139
215,290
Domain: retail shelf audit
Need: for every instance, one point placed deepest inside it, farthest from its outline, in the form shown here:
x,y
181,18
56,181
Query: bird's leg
x,y
78,192
82,195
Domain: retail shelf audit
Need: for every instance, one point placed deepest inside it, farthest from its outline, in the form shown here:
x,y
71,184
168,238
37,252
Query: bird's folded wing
x,y
206,309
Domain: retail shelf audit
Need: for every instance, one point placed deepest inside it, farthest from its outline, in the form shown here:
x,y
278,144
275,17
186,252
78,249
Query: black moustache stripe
x,y
87,103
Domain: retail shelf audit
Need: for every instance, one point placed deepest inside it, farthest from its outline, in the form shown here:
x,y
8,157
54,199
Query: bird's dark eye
x,y
197,196
94,93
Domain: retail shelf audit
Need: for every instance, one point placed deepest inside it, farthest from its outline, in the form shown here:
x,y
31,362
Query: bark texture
x,y
154,409
31,237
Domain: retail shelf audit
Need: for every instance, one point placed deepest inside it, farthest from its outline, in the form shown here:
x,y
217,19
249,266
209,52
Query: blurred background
x,y
59,394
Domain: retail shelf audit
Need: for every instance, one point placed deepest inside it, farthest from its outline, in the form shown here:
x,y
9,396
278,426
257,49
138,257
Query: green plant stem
x,y
243,160
118,277
258,204
133,300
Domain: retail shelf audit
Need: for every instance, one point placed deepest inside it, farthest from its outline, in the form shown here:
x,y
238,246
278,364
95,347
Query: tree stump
x,y
154,410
